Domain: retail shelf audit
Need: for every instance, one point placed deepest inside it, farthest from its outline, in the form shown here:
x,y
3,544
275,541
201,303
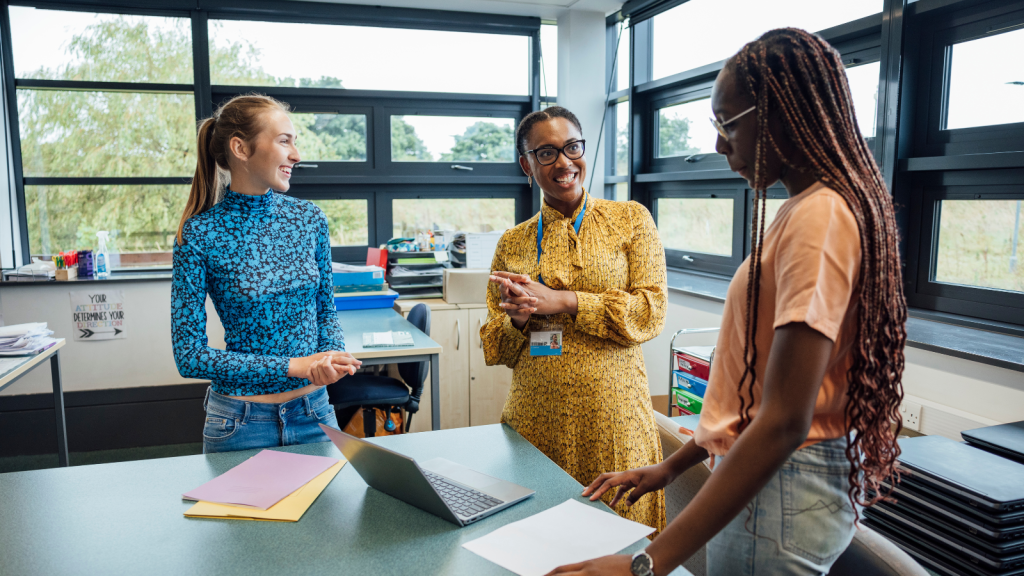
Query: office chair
x,y
370,391
868,553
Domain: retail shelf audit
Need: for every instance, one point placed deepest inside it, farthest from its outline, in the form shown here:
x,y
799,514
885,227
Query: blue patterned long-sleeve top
x,y
265,261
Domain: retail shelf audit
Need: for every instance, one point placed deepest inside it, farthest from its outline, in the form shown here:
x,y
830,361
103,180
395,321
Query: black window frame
x,y
376,179
859,42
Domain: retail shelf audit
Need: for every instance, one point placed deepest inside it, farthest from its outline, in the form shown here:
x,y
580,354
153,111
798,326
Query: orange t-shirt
x,y
810,267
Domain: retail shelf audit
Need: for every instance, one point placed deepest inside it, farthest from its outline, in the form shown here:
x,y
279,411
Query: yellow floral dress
x,y
589,409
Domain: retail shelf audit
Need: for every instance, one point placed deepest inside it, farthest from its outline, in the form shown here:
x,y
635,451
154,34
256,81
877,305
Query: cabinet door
x,y
450,329
488,385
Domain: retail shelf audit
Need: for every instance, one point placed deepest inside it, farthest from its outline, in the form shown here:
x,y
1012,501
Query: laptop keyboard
x,y
464,501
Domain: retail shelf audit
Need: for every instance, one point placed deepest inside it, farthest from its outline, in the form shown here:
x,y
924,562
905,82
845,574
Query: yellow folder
x,y
290,509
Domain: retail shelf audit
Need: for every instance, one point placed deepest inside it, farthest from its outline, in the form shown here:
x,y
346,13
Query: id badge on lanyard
x,y
546,340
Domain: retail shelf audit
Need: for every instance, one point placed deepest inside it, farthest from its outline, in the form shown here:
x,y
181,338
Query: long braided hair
x,y
800,77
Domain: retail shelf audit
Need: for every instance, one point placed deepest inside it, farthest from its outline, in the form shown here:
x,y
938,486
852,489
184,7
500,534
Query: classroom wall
x,y
144,358
581,81
955,394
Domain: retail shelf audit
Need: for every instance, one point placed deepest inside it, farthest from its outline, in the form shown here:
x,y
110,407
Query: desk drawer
x,y
689,383
687,401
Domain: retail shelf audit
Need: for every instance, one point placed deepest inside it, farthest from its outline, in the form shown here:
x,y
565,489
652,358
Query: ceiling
x,y
546,9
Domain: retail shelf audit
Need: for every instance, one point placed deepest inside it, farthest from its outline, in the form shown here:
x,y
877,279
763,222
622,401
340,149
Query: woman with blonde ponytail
x,y
265,261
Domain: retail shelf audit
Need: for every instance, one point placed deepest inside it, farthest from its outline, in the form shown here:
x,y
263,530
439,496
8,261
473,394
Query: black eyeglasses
x,y
548,155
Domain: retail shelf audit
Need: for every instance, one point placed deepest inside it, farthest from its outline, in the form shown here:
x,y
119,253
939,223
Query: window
x,y
979,244
347,221
621,139
467,215
142,220
701,32
685,129
621,192
452,139
251,53
863,82
985,87
622,60
81,46
697,224
124,134
549,61
331,137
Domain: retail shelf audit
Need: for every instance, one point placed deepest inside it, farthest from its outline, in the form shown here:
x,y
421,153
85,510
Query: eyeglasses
x,y
548,155
720,126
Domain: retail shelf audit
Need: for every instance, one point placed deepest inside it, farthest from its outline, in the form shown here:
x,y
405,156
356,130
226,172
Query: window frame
x,y
375,179
859,42
711,263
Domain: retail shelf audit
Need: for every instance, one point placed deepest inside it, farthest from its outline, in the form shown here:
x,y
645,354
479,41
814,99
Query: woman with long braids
x,y
806,380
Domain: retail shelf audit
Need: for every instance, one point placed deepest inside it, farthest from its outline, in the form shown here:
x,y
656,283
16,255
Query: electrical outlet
x,y
911,413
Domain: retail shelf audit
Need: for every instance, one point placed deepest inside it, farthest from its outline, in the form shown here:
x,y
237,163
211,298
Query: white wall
x,y
955,394
581,87
144,358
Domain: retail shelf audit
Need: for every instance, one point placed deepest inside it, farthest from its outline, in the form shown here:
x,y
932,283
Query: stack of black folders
x,y
959,509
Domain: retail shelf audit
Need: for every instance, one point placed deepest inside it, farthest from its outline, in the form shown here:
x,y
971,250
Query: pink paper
x,y
263,480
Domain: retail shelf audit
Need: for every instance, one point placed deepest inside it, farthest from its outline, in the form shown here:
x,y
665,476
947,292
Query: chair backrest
x,y
414,373
869,553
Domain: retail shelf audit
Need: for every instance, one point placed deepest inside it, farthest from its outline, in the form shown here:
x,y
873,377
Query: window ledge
x,y
924,332
116,277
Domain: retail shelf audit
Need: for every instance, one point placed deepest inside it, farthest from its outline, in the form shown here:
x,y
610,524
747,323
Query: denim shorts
x,y
799,523
238,425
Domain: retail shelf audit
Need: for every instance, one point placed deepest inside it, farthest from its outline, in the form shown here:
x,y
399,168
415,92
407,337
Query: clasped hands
x,y
323,368
521,297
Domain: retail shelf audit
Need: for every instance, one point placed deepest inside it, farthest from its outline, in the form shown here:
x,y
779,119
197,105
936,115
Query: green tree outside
x,y
483,142
674,137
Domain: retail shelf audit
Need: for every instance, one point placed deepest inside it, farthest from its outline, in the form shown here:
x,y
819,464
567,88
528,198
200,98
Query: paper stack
x,y
272,485
25,339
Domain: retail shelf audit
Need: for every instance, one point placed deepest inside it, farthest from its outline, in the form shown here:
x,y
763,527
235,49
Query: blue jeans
x,y
799,523
238,425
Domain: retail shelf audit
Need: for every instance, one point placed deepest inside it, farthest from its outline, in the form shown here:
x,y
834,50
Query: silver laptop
x,y
448,490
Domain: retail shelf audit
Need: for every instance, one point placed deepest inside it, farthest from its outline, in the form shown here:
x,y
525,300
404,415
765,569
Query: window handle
x,y
306,166
461,167
458,333
687,258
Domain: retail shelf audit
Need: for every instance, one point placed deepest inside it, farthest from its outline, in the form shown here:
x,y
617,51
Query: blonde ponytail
x,y
239,117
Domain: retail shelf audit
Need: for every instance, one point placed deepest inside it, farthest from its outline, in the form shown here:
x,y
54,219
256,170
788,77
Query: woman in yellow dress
x,y
589,273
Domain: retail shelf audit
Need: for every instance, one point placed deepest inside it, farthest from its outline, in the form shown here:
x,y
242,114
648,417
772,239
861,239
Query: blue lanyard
x,y
540,233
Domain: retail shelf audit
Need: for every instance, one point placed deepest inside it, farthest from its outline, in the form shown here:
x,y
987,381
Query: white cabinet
x,y
472,393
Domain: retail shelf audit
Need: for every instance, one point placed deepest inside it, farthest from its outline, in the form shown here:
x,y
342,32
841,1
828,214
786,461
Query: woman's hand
x,y
617,565
637,482
323,368
515,300
545,300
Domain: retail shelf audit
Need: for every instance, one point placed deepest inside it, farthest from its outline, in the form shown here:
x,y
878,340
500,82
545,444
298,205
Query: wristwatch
x,y
642,565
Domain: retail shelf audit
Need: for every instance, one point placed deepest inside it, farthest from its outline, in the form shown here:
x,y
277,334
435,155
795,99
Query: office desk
x,y
126,518
12,368
355,322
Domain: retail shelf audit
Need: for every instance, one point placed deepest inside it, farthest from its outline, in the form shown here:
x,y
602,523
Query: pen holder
x,y
66,273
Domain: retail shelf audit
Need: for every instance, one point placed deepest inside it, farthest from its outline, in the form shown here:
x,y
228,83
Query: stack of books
x,y
361,287
272,485
691,369
25,339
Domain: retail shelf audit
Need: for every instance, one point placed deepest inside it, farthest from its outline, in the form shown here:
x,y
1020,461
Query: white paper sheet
x,y
480,249
568,533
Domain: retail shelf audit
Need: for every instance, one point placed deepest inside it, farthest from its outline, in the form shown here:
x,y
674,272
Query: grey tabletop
x,y
355,322
127,518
